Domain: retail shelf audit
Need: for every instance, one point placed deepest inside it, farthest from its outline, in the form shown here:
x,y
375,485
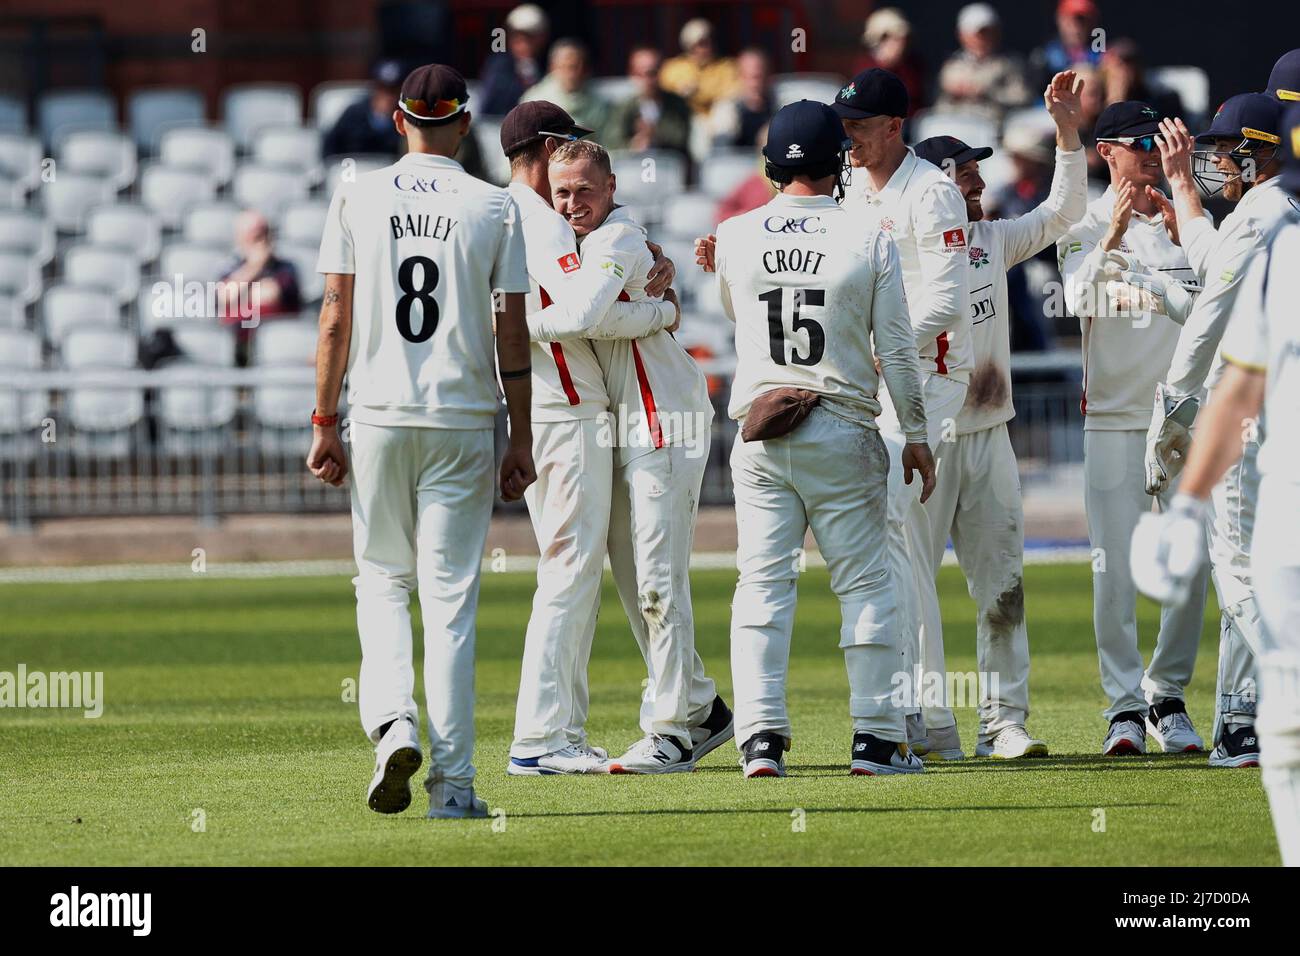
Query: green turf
x,y
225,697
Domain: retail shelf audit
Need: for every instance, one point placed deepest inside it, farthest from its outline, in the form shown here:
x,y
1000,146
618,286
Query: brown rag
x,y
777,413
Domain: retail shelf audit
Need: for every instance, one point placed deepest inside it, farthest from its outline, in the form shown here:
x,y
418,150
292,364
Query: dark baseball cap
x,y
873,92
1127,118
433,94
804,134
1246,116
529,122
1290,177
940,149
1284,81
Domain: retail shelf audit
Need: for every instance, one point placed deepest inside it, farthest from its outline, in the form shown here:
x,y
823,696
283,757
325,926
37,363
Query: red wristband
x,y
324,420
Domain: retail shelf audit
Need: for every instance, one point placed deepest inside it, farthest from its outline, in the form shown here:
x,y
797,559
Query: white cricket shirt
x,y
428,243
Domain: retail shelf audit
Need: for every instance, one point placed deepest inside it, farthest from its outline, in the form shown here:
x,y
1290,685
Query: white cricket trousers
x,y
1114,498
830,474
421,503
1276,569
651,531
911,554
977,500
569,506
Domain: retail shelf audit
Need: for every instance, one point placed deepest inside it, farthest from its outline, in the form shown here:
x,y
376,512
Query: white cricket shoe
x,y
570,760
449,802
653,754
1011,743
944,743
917,738
599,753
1126,735
873,757
1169,724
397,757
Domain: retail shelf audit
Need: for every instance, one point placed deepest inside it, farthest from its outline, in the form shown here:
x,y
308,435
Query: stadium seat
x,y
20,160
13,114
689,215
212,223
19,412
71,195
99,153
338,166
726,169
267,189
60,112
128,226
286,342
1034,120
19,349
20,277
997,171
1191,83
103,267
28,233
328,101
12,315
64,307
184,409
648,176
203,148
248,107
102,417
311,284
295,148
195,262
151,111
970,129
170,191
278,408
819,87
304,222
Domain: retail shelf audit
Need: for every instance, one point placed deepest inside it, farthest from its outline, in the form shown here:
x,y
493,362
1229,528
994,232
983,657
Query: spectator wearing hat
x,y
887,37
651,118
980,75
1074,43
699,75
506,75
366,126
566,86
736,120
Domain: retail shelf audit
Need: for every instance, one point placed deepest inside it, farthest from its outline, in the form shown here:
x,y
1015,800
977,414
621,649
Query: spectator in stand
x,y
887,37
257,275
1124,78
699,75
651,118
736,120
1074,43
506,75
366,126
566,86
752,191
980,76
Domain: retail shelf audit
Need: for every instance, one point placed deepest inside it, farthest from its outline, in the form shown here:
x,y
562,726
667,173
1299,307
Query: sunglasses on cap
x,y
1145,144
441,109
567,137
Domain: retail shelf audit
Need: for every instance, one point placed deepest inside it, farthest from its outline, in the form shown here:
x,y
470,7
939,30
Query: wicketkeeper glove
x,y
1167,296
1169,437
1168,549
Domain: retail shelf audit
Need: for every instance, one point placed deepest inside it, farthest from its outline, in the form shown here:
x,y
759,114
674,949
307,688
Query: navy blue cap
x,y
940,149
1127,118
1245,116
1290,177
1284,81
873,92
804,134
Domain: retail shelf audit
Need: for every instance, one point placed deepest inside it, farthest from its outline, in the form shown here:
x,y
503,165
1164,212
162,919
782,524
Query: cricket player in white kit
x,y
1240,158
1261,348
1127,346
978,498
810,286
412,254
923,212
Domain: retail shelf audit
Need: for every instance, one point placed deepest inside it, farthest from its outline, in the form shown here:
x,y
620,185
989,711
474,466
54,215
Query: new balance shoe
x,y
448,802
654,754
873,757
944,744
1126,735
917,738
1168,723
716,730
570,760
1011,743
1237,749
397,757
763,755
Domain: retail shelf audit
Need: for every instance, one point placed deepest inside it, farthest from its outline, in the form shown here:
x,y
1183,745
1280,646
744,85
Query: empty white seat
x,y
103,267
726,169
170,191
187,407
199,147
304,222
346,168
28,233
248,107
65,307
150,111
58,112
99,153
20,349
19,411
285,342
311,284
290,147
98,347
13,114
20,160
104,414
128,226
71,195
212,223
20,277
687,216
649,175
195,262
792,87
328,101
12,314
268,189
1191,83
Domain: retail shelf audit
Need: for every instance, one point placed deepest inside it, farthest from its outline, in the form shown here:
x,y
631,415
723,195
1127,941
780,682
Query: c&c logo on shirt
x,y
410,183
954,239
808,225
569,263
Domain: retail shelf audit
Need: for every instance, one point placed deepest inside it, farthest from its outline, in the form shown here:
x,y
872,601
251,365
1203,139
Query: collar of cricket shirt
x,y
431,160
1257,193
898,182
807,202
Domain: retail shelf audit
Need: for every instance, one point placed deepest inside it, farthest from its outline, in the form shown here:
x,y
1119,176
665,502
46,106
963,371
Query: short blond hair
x,y
580,151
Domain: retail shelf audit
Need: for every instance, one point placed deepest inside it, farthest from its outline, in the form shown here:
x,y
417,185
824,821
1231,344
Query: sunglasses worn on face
x,y
1144,144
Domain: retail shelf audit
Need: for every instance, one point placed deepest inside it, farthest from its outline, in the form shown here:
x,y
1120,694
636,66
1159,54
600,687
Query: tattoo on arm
x,y
331,296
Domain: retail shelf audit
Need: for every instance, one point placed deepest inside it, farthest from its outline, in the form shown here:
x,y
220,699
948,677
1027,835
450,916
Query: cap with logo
x,y
535,120
1127,118
432,95
873,92
942,149
1284,81
804,134
1290,177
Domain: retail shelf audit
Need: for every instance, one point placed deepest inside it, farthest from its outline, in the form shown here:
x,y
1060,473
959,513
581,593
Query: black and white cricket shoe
x,y
654,754
763,755
1126,736
716,730
873,757
1237,749
397,757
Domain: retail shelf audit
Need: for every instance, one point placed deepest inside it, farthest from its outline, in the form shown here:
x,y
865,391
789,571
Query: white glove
x,y
1168,438
1167,550
1168,296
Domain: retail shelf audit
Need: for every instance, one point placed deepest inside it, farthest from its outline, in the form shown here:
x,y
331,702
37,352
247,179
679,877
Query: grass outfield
x,y
224,696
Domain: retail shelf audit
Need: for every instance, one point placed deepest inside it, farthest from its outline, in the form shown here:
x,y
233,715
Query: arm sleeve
x,y
1081,258
336,251
1245,341
1064,206
510,271
1199,239
892,335
942,305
